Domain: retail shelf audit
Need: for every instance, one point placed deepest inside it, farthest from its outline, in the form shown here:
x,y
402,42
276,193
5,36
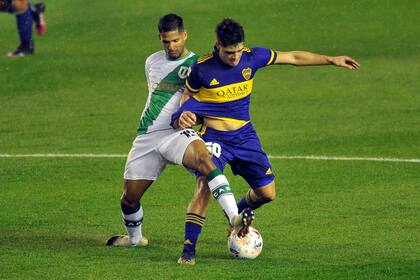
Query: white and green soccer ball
x,y
247,247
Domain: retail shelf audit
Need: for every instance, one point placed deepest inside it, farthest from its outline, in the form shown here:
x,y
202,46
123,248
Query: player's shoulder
x,y
247,50
205,58
263,54
159,55
191,57
257,50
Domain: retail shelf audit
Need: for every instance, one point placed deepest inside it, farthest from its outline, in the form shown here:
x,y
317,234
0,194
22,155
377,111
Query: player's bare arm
x,y
303,58
187,118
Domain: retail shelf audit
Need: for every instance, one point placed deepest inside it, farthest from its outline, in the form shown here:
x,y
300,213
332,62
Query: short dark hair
x,y
170,22
229,32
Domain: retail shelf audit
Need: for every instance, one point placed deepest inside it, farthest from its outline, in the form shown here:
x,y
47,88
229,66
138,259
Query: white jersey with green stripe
x,y
166,82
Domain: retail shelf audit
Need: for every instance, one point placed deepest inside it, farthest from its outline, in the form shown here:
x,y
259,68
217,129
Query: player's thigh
x,y
197,157
252,163
173,146
19,6
144,162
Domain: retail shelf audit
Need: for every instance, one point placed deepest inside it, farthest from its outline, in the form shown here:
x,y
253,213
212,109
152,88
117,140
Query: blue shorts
x,y
242,149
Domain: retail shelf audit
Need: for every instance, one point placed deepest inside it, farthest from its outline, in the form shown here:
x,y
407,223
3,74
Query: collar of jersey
x,y
179,58
217,57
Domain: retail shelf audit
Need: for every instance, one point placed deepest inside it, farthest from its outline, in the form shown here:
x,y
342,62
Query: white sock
x,y
133,223
220,188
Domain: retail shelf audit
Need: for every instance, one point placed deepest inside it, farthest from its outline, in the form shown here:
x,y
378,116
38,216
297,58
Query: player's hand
x,y
187,119
346,62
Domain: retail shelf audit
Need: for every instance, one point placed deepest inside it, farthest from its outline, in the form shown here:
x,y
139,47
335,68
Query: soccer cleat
x,y
20,51
123,241
187,259
240,223
39,18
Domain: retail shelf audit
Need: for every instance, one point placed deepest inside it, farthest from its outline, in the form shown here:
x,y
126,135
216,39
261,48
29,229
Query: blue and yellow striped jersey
x,y
223,91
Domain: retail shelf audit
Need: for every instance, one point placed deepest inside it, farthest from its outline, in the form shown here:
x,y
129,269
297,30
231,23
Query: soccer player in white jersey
x,y
158,144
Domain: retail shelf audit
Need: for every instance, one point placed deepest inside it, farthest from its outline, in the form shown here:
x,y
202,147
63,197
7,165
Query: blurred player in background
x,y
217,95
158,144
26,15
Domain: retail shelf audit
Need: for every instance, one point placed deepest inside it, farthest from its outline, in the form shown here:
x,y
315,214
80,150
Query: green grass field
x,y
84,90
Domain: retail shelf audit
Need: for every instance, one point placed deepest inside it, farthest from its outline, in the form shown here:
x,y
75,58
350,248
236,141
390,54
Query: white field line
x,y
309,157
63,155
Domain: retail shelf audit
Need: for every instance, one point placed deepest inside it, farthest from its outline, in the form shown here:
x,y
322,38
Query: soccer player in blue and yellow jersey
x,y
217,95
158,144
26,15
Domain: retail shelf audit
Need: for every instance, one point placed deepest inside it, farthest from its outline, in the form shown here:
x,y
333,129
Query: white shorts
x,y
151,152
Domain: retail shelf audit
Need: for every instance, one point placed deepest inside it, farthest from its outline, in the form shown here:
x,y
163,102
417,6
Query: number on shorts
x,y
189,132
214,148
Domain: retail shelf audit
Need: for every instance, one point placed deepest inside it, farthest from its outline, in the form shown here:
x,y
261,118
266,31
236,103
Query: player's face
x,y
231,55
174,43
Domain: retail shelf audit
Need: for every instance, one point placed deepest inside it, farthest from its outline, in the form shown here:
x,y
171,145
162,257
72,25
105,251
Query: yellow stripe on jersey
x,y
228,119
247,50
202,130
227,93
189,87
204,58
271,58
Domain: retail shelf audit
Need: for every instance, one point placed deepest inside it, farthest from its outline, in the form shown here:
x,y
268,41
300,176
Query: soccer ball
x,y
247,247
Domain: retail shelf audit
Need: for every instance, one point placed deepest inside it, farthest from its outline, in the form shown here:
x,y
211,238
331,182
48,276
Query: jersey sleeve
x,y
193,83
147,66
263,56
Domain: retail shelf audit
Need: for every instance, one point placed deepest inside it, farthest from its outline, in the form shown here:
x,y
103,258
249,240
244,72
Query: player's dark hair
x,y
170,22
229,32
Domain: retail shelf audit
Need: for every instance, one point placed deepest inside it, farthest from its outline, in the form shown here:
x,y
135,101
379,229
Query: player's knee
x,y
19,6
267,194
269,197
204,163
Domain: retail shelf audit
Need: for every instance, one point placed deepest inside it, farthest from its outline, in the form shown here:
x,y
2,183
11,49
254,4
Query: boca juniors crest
x,y
246,73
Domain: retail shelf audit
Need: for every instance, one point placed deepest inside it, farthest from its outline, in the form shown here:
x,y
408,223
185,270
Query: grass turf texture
x,y
84,89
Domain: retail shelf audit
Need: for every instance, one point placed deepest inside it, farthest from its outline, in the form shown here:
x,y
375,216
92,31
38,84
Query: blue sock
x,y
193,225
246,202
24,25
242,204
